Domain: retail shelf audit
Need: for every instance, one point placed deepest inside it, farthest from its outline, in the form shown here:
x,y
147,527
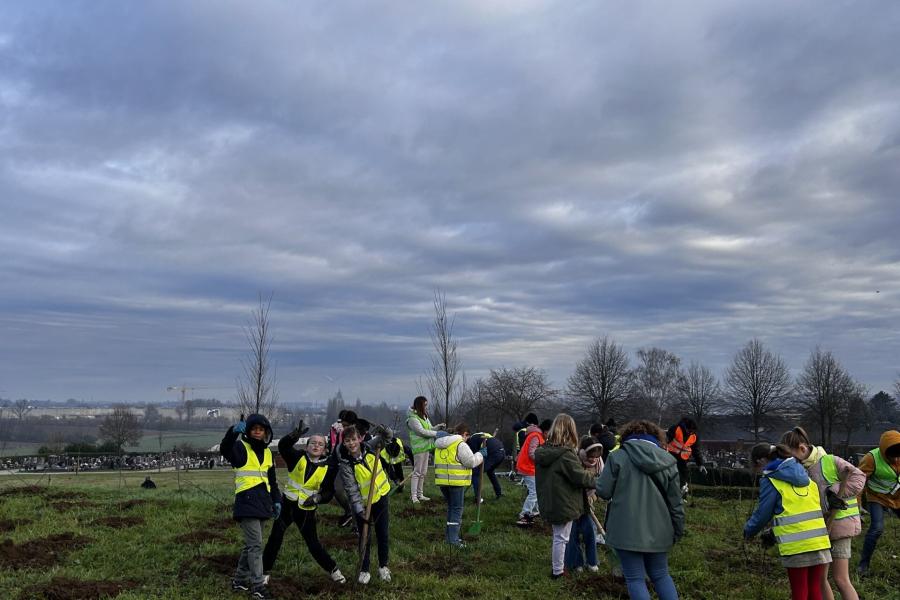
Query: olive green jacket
x,y
560,480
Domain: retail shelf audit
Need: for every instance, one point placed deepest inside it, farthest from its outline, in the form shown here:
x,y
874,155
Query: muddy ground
x,y
41,552
118,522
64,588
11,525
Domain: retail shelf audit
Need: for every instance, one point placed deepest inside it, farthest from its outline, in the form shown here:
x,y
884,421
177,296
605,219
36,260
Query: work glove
x,y
299,431
767,538
312,500
277,510
483,452
440,426
439,434
385,432
240,426
703,470
834,501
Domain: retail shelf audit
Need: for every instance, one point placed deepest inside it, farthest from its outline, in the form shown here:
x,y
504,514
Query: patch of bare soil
x,y
429,509
597,584
444,562
129,504
220,564
200,537
65,588
294,587
345,542
10,524
41,491
219,523
41,552
118,522
22,490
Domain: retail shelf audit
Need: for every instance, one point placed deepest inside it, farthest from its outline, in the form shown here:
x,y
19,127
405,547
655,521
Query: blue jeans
x,y
636,566
454,495
530,506
582,532
876,528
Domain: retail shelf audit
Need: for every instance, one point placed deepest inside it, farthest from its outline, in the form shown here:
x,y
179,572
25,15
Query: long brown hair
x,y
563,432
419,406
796,436
768,451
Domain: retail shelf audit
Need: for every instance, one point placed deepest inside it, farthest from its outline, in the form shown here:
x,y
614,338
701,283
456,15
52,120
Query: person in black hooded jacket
x,y
257,497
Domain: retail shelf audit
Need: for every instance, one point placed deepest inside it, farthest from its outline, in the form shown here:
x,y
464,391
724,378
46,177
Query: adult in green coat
x,y
560,481
645,516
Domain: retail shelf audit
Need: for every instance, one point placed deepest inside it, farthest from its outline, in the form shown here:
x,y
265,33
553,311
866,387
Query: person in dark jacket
x,y
681,442
645,516
358,462
257,497
605,436
310,483
561,480
496,454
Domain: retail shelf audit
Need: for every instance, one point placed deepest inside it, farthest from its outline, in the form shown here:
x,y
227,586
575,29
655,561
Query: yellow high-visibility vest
x,y
299,490
363,473
253,473
884,480
447,468
394,460
830,473
800,527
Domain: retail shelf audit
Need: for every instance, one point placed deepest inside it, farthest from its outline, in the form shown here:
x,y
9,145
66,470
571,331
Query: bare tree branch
x,y
445,363
757,384
653,383
698,392
601,381
257,390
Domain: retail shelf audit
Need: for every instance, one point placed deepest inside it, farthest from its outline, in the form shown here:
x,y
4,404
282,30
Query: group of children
x,y
810,496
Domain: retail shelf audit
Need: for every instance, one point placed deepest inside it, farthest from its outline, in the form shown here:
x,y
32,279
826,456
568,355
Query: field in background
x,y
69,535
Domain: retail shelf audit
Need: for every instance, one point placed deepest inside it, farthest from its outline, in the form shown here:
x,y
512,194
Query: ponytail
x,y
795,437
769,452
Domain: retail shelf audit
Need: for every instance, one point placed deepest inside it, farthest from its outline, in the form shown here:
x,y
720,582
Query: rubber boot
x,y
453,534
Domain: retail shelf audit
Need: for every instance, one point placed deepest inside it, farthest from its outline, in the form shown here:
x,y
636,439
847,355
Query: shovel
x,y
475,528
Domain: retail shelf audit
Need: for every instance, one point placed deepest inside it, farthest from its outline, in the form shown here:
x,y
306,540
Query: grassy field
x,y
75,538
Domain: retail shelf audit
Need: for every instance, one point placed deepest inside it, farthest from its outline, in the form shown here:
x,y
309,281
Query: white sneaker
x,y
424,499
384,573
364,577
337,576
265,579
578,569
593,568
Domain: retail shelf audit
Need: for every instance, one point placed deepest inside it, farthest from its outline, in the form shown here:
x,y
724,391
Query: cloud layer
x,y
687,179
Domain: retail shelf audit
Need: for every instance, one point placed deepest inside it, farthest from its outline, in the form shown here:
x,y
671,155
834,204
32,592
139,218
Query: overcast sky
x,y
684,176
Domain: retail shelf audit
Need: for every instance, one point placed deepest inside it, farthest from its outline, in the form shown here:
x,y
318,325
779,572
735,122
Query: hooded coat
x,y
464,453
867,466
645,512
787,470
257,502
560,480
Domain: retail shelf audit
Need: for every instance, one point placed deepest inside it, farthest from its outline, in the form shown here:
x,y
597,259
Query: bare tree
x,y
601,381
757,384
653,383
822,388
853,413
21,408
121,427
257,387
897,386
514,392
445,364
698,392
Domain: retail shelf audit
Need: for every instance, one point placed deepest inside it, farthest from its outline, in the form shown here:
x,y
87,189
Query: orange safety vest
x,y
524,463
681,447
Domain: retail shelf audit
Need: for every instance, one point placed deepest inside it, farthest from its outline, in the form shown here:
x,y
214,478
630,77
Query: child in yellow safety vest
x,y
791,499
839,484
881,466
453,464
358,462
256,496
310,482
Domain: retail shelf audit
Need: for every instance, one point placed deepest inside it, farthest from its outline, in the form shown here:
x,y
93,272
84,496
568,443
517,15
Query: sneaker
x,y
384,573
579,569
266,579
593,568
262,593
346,520
525,520
337,576
364,577
240,586
557,575
424,499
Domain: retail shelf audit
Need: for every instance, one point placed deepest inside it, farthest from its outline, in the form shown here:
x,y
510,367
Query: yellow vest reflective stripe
x,y
363,474
447,468
800,527
299,490
253,473
618,443
830,473
885,479
394,460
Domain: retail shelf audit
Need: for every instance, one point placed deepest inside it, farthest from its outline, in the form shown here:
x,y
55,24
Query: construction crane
x,y
184,389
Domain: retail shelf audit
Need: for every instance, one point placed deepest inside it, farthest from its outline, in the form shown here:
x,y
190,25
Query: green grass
x,y
186,543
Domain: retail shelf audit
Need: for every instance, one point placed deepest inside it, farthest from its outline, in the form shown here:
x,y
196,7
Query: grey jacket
x,y
639,517
348,477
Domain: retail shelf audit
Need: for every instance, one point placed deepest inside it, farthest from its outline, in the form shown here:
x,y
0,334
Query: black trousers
x,y
379,521
395,472
682,469
306,523
490,467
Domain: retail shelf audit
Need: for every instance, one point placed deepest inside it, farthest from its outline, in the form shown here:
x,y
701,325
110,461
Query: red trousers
x,y
806,582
